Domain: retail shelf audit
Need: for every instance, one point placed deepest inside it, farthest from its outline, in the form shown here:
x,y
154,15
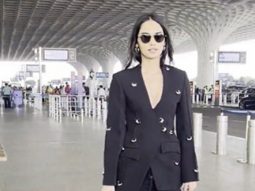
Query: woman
x,y
143,150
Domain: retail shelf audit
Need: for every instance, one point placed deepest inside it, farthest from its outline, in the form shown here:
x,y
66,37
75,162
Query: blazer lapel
x,y
142,88
141,91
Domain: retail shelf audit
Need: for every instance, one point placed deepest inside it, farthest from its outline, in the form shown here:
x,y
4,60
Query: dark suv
x,y
246,92
247,102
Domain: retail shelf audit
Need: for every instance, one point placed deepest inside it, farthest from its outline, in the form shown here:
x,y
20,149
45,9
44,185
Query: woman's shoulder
x,y
130,73
125,73
174,71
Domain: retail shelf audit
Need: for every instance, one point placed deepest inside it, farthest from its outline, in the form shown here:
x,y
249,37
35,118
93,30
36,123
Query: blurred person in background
x,y
7,91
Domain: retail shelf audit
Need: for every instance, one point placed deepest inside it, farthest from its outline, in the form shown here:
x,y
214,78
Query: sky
x,y
186,61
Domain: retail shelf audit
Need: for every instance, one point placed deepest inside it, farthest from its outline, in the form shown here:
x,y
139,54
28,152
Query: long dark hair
x,y
136,56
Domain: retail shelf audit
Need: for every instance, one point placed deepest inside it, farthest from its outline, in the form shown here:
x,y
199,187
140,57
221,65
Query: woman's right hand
x,y
108,188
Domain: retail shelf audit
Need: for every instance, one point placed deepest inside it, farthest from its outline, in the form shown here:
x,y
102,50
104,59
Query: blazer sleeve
x,y
115,131
184,129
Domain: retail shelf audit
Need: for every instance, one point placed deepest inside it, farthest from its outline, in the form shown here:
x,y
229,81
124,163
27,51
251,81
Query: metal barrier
x,y
76,106
197,101
225,99
54,107
209,100
38,101
1,104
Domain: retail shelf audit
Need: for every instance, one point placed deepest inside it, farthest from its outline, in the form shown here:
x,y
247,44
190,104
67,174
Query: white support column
x,y
251,143
244,160
222,132
197,129
206,66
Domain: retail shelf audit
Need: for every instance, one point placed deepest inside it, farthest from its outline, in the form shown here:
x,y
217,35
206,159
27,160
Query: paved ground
x,y
236,125
44,155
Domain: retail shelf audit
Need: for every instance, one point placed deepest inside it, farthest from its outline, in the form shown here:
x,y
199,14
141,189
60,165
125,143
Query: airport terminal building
x,y
83,104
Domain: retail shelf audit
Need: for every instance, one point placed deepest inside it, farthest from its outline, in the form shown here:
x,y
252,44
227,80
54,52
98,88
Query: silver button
x,y
189,138
164,129
108,129
119,183
133,84
196,170
133,140
171,132
176,163
161,120
122,148
178,92
137,121
167,68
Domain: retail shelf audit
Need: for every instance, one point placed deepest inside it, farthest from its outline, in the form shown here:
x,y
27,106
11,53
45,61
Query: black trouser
x,y
148,183
7,101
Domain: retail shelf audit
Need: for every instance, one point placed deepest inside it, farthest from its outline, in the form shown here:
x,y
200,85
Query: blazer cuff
x,y
109,180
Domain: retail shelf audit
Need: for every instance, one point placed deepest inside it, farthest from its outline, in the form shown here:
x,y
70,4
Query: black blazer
x,y
139,137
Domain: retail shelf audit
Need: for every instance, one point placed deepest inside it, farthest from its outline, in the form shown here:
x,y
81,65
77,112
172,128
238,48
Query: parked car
x,y
233,91
248,102
246,92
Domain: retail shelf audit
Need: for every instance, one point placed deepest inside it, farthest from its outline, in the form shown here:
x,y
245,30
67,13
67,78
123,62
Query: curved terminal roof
x,y
101,28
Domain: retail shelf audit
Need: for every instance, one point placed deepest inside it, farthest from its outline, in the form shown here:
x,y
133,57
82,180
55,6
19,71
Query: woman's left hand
x,y
189,186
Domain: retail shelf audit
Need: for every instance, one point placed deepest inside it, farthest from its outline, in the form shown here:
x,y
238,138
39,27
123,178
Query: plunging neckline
x,y
146,91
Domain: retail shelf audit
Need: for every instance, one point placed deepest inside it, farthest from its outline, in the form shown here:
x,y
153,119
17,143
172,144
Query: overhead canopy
x,y
100,28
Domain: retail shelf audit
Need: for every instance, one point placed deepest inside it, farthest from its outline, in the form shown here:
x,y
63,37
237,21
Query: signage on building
x,y
102,74
59,54
231,57
33,68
